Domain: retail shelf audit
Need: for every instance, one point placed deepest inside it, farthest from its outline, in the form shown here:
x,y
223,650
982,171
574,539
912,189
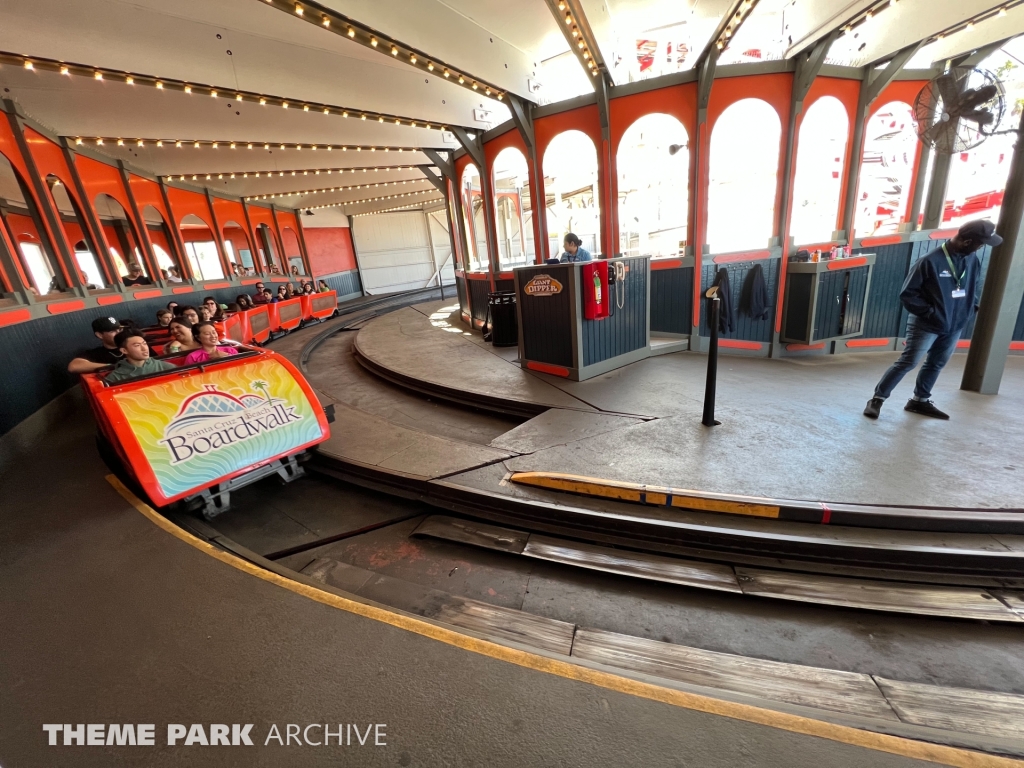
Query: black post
x,y
709,389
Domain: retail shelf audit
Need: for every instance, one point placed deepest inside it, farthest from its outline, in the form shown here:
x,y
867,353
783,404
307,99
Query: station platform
x,y
791,429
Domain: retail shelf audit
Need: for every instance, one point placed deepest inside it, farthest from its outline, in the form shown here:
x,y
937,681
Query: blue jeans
x,y
939,348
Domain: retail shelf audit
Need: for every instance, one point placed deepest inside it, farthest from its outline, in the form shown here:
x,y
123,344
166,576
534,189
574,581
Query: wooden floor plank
x,y
509,625
471,532
846,692
1015,600
689,573
956,709
923,599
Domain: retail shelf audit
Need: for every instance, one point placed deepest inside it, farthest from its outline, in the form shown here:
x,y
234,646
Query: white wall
x,y
394,250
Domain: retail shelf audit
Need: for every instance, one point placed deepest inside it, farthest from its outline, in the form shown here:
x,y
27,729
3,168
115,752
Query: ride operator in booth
x,y
574,250
941,293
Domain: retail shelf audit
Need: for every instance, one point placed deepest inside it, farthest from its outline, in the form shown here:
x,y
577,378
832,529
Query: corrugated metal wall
x,y
345,284
672,300
882,317
626,329
745,327
394,251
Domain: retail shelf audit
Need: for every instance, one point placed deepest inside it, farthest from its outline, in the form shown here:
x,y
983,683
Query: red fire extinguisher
x,y
594,276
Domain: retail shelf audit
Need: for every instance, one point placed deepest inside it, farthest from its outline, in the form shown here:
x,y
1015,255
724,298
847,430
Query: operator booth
x,y
583,319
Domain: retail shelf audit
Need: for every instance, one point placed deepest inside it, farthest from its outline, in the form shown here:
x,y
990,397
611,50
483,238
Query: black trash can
x,y
501,306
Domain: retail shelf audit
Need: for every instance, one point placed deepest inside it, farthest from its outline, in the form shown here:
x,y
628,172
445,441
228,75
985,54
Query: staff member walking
x,y
941,295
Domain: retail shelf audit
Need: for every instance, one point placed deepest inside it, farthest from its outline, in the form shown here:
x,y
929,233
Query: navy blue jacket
x,y
928,291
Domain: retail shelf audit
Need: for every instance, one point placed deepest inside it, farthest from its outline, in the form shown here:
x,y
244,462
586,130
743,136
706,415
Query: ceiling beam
x,y
522,117
444,164
474,147
136,79
576,30
353,30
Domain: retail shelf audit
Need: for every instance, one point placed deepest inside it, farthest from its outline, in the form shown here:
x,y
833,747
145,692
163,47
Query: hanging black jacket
x,y
726,317
754,300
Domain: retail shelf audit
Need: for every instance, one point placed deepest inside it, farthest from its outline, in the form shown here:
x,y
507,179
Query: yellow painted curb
x,y
919,750
655,495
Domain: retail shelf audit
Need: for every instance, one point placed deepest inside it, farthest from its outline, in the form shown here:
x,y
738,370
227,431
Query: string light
x,y
326,190
70,69
326,171
395,47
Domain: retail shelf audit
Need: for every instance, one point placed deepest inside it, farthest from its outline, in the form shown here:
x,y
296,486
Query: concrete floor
x,y
791,428
112,620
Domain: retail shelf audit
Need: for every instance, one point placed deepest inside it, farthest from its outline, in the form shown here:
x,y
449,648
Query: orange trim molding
x,y
1017,346
964,344
868,242
14,316
213,286
477,276
665,264
868,342
554,370
60,307
183,289
942,234
728,258
804,347
846,263
148,294
103,301
505,275
739,344
252,281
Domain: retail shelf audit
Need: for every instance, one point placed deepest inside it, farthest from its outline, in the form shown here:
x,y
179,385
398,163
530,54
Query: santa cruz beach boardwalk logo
x,y
543,285
211,420
195,430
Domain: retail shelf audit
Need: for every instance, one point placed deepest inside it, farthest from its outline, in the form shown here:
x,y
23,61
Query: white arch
x,y
820,161
744,170
571,176
653,164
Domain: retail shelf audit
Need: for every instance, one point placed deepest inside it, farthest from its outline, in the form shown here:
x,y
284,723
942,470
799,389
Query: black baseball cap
x,y
981,231
105,325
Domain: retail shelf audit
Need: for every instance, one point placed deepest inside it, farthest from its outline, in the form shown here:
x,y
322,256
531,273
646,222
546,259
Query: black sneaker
x,y
873,407
925,408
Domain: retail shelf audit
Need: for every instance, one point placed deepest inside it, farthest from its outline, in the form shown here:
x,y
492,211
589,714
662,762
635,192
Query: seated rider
x,y
181,332
206,334
136,360
105,329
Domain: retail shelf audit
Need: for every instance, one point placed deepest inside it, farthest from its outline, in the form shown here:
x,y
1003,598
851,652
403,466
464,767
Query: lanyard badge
x,y
959,292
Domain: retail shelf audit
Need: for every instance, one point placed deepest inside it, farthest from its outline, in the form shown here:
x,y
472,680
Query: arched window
x,y
269,250
238,248
890,150
37,261
292,253
473,212
820,160
77,234
744,169
654,170
514,219
201,248
123,242
163,246
570,176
